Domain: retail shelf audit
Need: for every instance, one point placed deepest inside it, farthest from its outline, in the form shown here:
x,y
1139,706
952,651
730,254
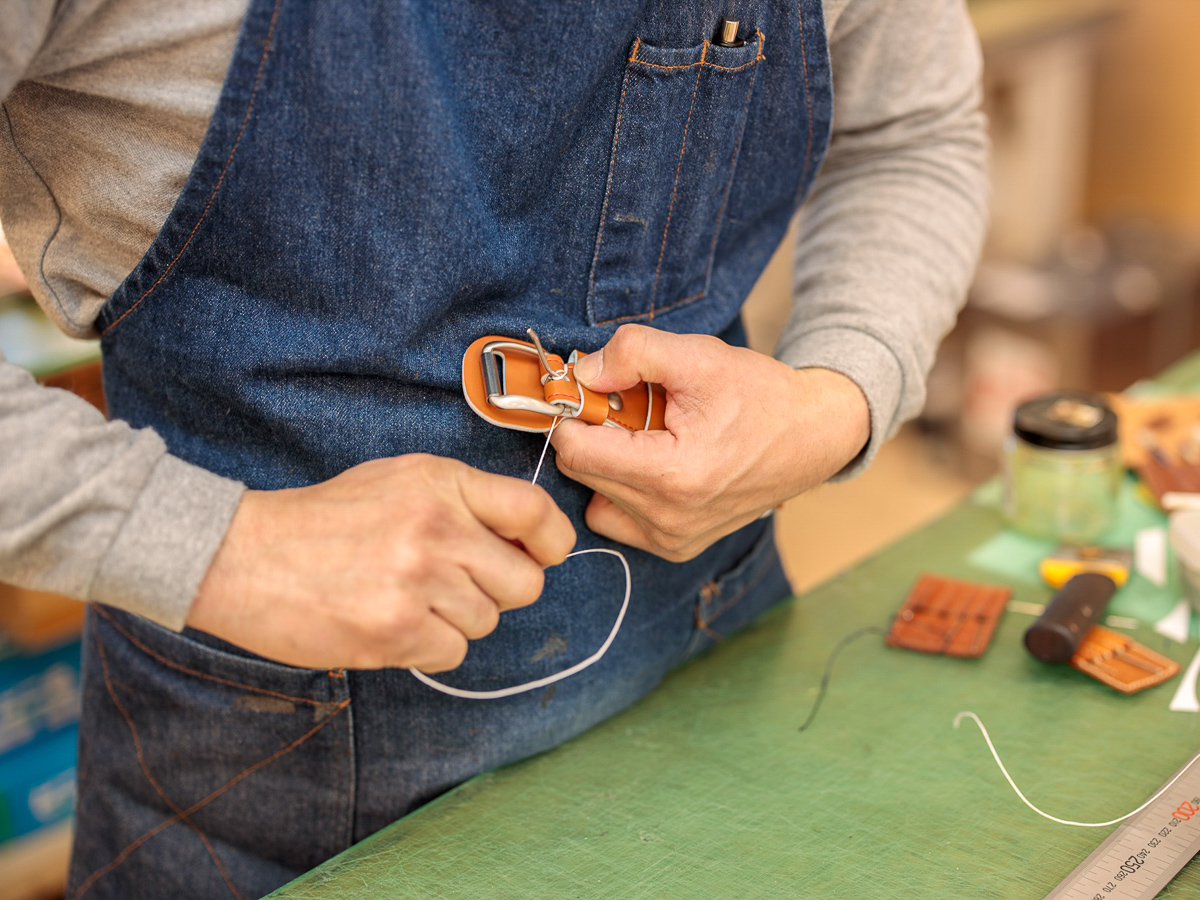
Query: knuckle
x,y
450,654
404,618
490,618
564,542
630,339
531,584
675,548
456,652
670,524
411,567
537,503
390,621
669,542
483,621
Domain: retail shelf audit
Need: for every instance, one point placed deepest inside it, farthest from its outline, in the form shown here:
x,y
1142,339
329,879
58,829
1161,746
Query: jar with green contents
x,y
1062,467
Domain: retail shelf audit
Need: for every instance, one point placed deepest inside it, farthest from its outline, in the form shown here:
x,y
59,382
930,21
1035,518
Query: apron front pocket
x,y
679,126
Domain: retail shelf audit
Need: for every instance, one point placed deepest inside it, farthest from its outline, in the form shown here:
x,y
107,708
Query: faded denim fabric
x,y
380,185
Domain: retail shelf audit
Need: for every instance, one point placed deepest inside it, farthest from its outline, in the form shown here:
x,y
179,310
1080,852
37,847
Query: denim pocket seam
x,y
702,62
153,654
650,314
612,164
102,654
120,858
268,44
737,597
737,150
675,184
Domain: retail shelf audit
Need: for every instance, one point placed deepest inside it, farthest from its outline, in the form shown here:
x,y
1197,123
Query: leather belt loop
x,y
595,407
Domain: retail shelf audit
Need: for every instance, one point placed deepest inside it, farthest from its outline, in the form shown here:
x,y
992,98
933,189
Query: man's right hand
x,y
394,563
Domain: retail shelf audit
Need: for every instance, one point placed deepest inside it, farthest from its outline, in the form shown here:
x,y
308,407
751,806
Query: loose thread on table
x,y
833,655
966,714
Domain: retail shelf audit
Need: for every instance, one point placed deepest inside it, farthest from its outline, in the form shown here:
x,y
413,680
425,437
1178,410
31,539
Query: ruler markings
x,y
1144,853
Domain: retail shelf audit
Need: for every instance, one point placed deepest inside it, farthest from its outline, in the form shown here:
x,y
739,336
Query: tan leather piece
x,y
595,406
521,378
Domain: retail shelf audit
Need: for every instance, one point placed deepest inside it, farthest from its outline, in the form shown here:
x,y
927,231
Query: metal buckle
x,y
497,390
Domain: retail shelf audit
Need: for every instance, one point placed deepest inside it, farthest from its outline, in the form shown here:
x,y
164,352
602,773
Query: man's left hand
x,y
744,433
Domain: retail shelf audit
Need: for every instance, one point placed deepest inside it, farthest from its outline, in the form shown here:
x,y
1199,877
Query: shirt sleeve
x,y
100,511
892,231
23,30
93,509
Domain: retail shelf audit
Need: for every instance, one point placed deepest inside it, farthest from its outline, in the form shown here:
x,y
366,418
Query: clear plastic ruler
x,y
1146,851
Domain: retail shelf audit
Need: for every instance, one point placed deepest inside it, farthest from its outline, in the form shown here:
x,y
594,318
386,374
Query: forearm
x,y
100,511
891,234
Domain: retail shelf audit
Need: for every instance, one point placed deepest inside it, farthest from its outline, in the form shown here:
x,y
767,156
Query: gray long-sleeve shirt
x,y
106,102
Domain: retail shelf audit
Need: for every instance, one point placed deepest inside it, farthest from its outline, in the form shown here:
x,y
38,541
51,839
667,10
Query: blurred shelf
x,y
1009,24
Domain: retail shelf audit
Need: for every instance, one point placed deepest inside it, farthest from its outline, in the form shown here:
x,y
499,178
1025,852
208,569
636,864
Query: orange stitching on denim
x,y
262,64
737,148
137,746
182,668
662,309
807,97
200,804
703,626
711,65
675,185
337,673
612,164
736,598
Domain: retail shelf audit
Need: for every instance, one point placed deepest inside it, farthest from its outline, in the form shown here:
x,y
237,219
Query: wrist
x,y
833,413
226,580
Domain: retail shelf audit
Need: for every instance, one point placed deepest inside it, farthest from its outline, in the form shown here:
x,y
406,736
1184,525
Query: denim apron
x,y
381,184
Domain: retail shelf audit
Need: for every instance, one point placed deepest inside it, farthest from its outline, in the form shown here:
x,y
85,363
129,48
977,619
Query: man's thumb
x,y
588,369
634,353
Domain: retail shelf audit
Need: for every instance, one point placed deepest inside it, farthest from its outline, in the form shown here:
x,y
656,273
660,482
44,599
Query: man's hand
x,y
396,562
744,433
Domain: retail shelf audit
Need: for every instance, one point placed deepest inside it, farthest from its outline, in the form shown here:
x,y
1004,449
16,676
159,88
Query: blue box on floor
x,y
39,716
37,783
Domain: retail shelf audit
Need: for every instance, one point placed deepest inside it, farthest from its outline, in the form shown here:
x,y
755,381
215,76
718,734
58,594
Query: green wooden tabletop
x,y
707,788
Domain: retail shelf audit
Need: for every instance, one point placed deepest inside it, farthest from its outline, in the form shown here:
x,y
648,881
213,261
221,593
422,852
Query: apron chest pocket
x,y
679,126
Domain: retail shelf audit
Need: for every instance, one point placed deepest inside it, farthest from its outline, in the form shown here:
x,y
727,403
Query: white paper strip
x,y
1177,623
1185,695
1150,555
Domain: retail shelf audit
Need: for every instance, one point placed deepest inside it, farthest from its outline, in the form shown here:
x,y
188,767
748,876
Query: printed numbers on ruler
x,y
1154,847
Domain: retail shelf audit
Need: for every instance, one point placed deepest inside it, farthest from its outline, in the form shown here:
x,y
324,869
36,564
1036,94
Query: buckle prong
x,y
496,388
559,375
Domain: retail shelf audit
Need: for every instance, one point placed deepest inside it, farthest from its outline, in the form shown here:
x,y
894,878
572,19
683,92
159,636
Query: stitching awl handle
x,y
1069,615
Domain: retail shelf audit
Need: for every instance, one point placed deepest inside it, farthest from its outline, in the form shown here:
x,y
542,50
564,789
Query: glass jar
x,y
1062,467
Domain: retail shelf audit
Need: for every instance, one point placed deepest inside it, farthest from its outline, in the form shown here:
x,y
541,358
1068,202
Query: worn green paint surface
x,y
707,788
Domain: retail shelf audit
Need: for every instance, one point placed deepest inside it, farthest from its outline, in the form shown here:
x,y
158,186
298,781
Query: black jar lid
x,y
1066,420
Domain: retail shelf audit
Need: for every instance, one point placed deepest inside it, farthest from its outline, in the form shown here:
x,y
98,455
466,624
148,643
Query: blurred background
x,y
1091,270
1091,279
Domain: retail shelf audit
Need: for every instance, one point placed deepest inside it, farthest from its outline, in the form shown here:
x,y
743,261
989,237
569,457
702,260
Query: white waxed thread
x,y
996,756
545,447
565,673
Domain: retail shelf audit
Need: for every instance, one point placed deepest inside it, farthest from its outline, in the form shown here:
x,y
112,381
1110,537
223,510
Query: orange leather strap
x,y
505,382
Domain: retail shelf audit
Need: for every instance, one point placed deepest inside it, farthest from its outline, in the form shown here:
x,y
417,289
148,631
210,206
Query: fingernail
x,y
589,368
